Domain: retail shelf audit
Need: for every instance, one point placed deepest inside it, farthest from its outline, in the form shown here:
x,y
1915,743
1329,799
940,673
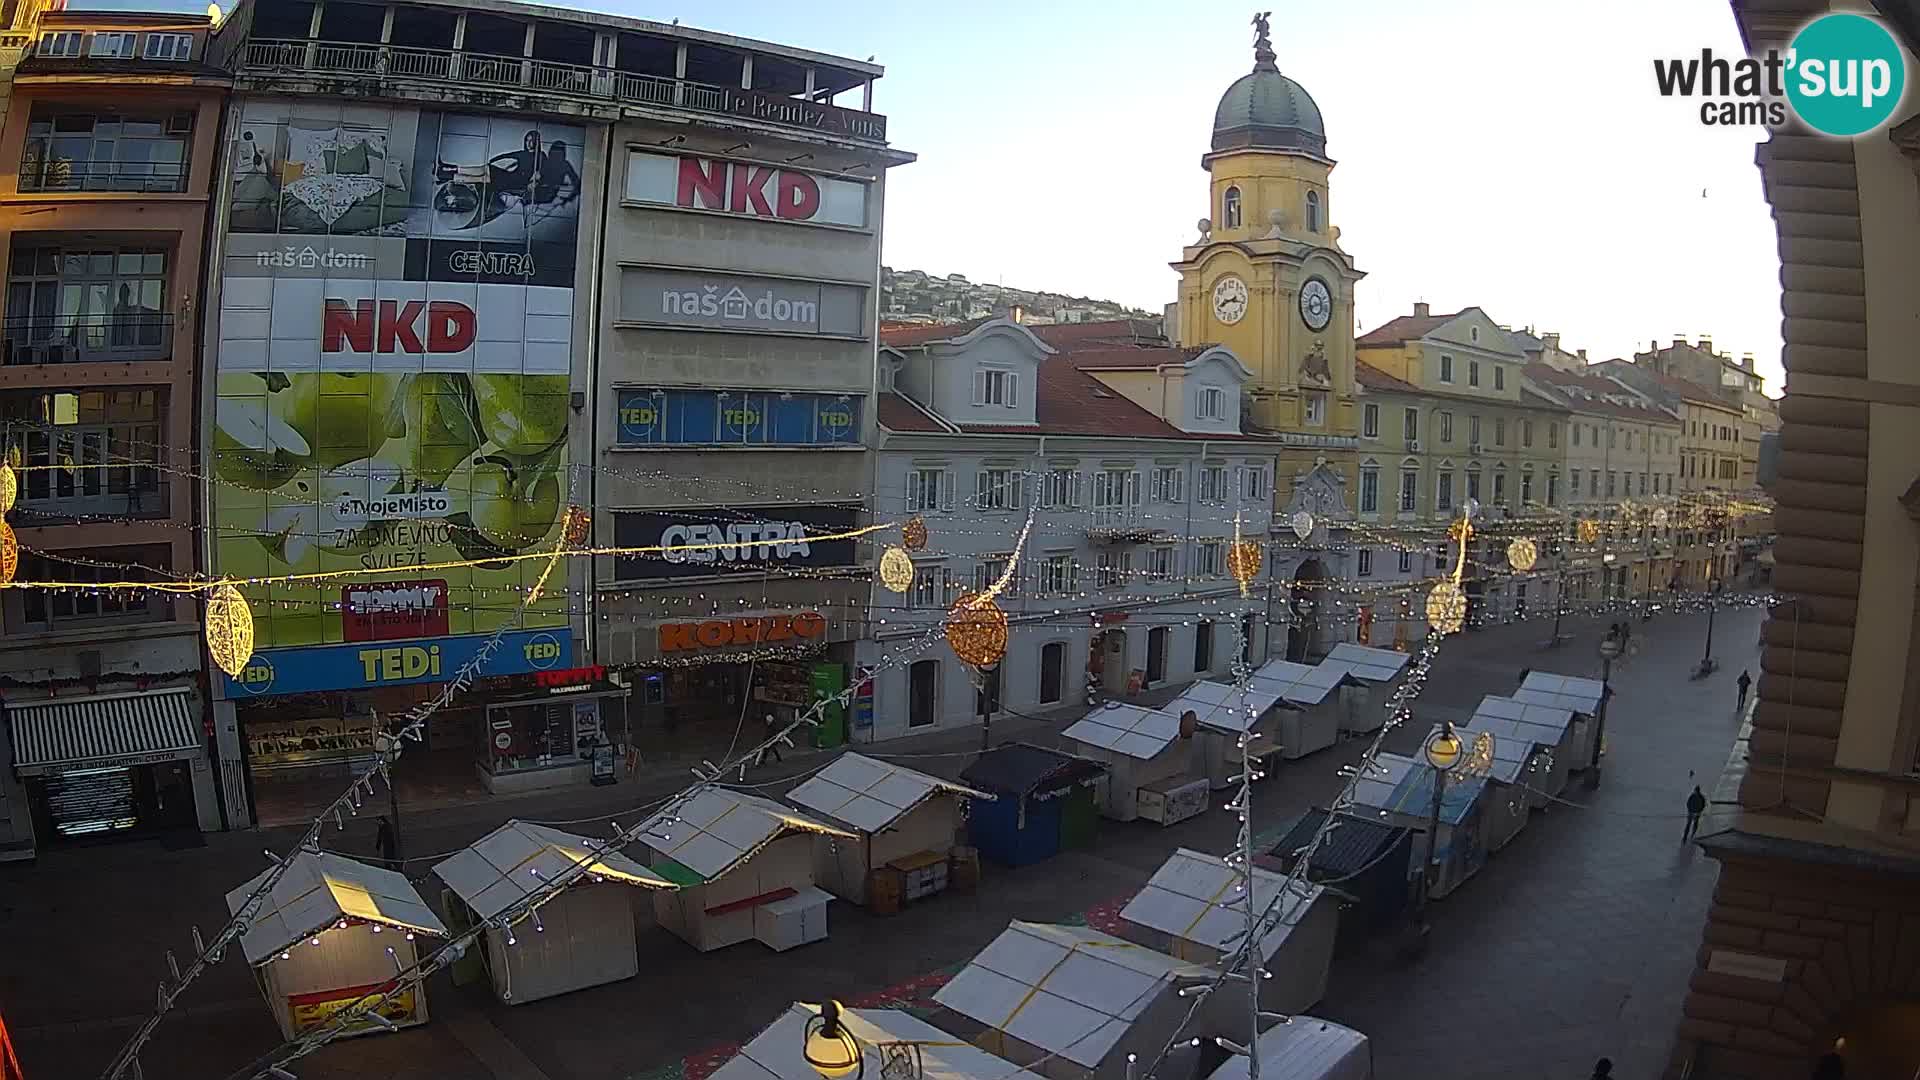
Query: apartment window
x,y
1061,488
1443,492
1526,488
1369,491
1526,433
1406,562
1446,368
1573,480
1499,431
1446,426
88,451
1209,558
1473,482
50,609
1364,563
1316,406
105,151
1576,434
1593,434
1613,437
996,386
1059,574
1168,484
997,489
1210,403
1370,421
1629,440
932,587
1230,209
1643,483
1213,484
1313,211
1610,476
113,45
1473,334
1473,373
61,43
1499,377
1499,489
987,572
1669,483
928,490
1411,423
1116,492
71,306
1253,482
1161,564
1593,484
169,47
1553,489
1112,569
1553,436
1409,490
1473,430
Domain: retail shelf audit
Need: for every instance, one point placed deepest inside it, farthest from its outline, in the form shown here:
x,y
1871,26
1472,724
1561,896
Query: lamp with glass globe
x,y
830,1048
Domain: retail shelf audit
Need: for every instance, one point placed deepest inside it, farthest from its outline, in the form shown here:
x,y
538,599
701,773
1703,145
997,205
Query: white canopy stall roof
x,y
1568,692
520,858
1126,729
1305,1048
1376,785
1068,990
718,829
1549,723
1512,745
1298,683
1192,896
778,1053
1220,706
871,795
1367,663
318,890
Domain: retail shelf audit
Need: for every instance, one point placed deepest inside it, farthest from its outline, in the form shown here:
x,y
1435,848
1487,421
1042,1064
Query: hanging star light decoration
x,y
896,569
1447,603
9,486
1660,518
1588,531
977,630
229,629
1522,554
1303,524
578,527
1243,562
913,535
9,553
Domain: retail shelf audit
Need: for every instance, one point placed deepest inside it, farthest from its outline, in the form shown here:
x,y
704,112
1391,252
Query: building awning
x,y
101,732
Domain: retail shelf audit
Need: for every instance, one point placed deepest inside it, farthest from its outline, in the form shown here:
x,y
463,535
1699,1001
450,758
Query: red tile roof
x,y
1598,386
1686,388
1374,379
1097,357
1109,332
1072,402
1404,329
898,414
903,335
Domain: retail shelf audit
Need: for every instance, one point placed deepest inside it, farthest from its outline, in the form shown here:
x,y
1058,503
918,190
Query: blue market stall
x,y
1043,803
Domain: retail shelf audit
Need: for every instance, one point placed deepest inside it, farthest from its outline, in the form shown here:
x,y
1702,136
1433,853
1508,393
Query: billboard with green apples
x,y
394,367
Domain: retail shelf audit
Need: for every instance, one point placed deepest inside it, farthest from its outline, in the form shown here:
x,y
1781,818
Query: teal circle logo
x,y
257,677
1845,74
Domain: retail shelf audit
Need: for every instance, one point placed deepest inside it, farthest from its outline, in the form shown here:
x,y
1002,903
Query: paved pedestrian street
x,y
1574,941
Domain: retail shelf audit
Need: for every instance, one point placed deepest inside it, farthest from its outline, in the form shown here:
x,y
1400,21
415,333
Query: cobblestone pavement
x,y
1574,941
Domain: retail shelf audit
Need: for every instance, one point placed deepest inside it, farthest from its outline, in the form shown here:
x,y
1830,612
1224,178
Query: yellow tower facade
x,y
1267,277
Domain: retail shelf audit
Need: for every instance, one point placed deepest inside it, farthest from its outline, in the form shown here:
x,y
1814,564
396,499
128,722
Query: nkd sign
x,y
747,188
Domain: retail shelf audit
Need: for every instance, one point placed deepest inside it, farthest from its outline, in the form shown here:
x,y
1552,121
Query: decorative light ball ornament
x,y
1303,524
896,569
229,624
578,527
1522,554
977,630
1446,608
1660,518
913,535
1588,531
9,486
1243,560
1443,749
9,553
830,1050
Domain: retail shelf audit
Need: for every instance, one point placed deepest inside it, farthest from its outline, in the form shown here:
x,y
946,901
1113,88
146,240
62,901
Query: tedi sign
x,y
753,189
1842,75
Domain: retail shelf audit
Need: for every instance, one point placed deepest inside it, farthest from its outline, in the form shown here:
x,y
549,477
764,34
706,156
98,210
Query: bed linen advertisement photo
x,y
394,363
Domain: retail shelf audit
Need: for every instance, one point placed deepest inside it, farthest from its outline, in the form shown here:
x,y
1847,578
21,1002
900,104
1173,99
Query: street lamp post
x,y
1610,649
1442,752
829,1048
1707,663
987,690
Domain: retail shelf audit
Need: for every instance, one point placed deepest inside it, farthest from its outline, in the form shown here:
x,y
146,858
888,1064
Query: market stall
x,y
1192,909
1367,859
1399,792
906,825
1546,727
1313,723
1508,801
1576,695
745,870
1043,802
1304,1048
1068,1002
779,1052
1376,674
1223,714
582,936
332,932
1148,756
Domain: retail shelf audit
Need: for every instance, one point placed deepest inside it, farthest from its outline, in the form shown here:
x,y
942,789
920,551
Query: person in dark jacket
x,y
384,839
1603,1069
1744,682
1696,805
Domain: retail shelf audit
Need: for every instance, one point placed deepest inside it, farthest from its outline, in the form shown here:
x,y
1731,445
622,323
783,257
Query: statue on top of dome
x,y
1263,54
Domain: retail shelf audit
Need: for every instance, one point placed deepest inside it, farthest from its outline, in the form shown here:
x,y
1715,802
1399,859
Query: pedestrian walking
x,y
773,745
1696,805
1744,682
1603,1069
384,839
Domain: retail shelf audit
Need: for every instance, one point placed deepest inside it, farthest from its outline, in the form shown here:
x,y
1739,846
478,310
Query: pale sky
x,y
1510,154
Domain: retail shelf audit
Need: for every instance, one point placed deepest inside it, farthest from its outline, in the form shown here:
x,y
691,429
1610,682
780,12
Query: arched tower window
x,y
1313,211
1230,209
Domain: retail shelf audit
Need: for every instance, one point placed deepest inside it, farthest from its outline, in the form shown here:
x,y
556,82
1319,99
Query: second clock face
x,y
1229,300
1316,304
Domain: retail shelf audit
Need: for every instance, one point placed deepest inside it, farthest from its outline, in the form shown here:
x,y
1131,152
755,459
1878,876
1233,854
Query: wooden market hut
x,y
779,1052
1223,714
1399,790
1068,1002
906,826
1508,800
1304,1048
1376,674
1579,696
1313,723
1149,758
1191,910
1368,862
1544,726
745,870
582,936
333,931
1043,803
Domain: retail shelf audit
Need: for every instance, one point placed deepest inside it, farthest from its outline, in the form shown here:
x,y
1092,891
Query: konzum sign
x,y
725,633
750,189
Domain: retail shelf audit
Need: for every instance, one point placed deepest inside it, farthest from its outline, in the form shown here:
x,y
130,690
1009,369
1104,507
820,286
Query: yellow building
x,y
1267,277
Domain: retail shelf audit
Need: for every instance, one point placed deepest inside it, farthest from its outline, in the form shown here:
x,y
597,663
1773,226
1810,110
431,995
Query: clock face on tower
x,y
1316,304
1229,300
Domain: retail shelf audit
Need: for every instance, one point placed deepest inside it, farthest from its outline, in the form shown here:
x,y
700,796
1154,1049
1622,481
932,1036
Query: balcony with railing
x,y
71,472
1122,524
143,177
87,339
